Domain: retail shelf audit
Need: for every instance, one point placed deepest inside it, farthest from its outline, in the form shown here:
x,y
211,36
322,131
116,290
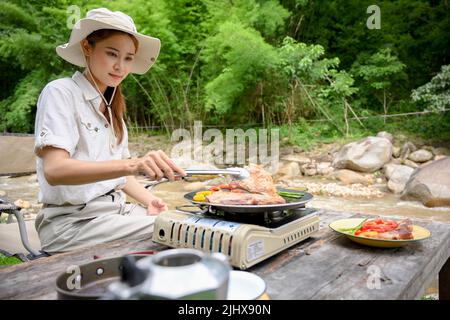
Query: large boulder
x,y
366,155
430,184
389,168
398,178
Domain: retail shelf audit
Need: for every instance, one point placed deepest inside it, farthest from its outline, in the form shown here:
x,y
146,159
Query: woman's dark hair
x,y
118,106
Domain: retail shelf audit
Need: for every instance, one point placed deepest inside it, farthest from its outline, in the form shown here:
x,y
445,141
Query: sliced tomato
x,y
379,225
391,223
214,189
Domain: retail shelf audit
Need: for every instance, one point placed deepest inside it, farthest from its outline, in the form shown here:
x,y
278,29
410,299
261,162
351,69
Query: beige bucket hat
x,y
103,18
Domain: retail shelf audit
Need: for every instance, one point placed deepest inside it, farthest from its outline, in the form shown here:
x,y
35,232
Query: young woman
x,y
83,162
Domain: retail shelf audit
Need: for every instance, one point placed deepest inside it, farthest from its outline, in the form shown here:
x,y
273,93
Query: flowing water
x,y
26,188
389,204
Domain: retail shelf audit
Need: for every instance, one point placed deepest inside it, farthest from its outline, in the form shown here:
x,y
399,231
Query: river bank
x,y
332,189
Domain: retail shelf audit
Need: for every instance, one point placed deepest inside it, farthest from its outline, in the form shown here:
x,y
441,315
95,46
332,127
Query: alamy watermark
x,y
374,20
374,279
74,280
74,14
241,147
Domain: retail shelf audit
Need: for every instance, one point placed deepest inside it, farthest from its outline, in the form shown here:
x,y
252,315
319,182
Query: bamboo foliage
x,y
240,62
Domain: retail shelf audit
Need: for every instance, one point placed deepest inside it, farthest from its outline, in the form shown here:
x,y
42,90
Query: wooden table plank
x,y
36,279
330,266
326,266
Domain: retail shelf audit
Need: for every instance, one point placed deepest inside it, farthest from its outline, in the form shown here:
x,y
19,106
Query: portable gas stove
x,y
246,238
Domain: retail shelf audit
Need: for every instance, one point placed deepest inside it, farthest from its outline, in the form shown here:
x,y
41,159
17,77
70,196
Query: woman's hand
x,y
156,206
157,165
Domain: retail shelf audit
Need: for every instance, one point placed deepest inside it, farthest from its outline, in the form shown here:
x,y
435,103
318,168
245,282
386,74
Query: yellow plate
x,y
419,233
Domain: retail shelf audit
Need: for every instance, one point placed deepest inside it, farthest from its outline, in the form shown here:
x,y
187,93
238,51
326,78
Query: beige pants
x,y
104,219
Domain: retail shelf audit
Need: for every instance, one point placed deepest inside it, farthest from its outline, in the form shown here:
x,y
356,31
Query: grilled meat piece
x,y
231,198
260,181
260,187
402,232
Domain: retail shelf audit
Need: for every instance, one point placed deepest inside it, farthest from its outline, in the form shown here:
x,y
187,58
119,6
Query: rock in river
x,y
366,155
430,184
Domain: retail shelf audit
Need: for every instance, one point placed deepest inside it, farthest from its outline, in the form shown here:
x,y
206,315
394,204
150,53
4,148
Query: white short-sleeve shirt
x,y
68,117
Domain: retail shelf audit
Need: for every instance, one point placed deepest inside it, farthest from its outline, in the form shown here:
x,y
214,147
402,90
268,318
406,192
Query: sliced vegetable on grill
x,y
288,194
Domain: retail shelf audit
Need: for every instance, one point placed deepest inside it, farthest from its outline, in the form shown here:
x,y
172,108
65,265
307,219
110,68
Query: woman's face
x,y
111,59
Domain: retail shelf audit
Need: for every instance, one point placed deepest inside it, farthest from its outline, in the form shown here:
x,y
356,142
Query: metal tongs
x,y
237,173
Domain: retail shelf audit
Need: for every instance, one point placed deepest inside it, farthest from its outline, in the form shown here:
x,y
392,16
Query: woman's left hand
x,y
156,206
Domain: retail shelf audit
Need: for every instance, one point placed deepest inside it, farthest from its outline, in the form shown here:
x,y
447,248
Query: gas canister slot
x,y
211,242
179,233
220,243
194,237
186,236
202,239
230,243
171,232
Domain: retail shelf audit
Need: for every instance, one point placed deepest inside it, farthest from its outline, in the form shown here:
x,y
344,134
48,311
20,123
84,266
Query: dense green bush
x,y
263,62
435,95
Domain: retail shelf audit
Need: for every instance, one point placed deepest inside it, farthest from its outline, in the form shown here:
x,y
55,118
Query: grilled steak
x,y
402,232
260,187
231,198
260,181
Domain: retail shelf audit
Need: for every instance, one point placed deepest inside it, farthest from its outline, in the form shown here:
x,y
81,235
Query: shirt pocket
x,y
92,137
90,127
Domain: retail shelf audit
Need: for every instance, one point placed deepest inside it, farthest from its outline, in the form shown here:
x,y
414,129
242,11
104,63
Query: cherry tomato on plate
x,y
379,225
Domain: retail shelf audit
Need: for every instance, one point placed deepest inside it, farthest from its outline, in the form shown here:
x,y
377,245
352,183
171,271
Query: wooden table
x,y
326,266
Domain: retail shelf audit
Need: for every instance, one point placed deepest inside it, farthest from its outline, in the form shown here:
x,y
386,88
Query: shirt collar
x,y
89,92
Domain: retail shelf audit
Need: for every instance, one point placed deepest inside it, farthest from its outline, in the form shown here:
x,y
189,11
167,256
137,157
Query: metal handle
x,y
200,210
239,173
212,172
7,207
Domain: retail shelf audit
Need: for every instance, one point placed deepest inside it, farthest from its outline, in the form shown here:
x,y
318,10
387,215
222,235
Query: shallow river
x,y
172,193
389,204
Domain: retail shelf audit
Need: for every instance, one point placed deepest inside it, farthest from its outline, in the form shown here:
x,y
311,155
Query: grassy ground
x,y
7,261
432,129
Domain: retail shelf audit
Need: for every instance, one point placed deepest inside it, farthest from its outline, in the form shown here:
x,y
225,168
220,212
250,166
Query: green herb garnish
x,y
296,195
352,231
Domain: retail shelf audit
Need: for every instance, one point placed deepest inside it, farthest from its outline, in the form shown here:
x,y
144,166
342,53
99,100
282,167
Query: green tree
x,y
416,29
381,71
315,83
27,46
435,95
